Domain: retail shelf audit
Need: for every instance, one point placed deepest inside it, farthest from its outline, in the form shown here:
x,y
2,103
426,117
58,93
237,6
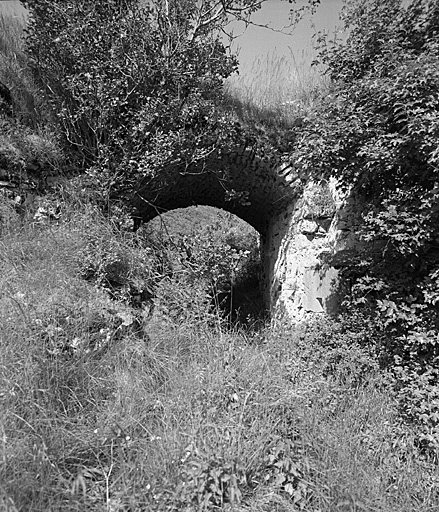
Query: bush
x,y
134,87
378,135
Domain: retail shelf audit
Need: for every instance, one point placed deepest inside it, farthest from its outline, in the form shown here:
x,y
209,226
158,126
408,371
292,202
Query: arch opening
x,y
215,256
246,179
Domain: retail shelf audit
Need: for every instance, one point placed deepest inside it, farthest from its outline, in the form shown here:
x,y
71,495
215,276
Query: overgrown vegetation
x,y
378,134
135,86
106,405
220,251
122,386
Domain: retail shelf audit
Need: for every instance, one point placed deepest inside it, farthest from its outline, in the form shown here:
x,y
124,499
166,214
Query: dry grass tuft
x,y
277,90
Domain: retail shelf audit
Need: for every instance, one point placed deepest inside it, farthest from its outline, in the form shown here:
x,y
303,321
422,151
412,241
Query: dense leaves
x,y
135,85
378,133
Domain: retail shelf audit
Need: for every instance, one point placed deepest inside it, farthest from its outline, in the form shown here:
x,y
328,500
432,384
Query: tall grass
x,y
276,89
98,412
27,140
16,74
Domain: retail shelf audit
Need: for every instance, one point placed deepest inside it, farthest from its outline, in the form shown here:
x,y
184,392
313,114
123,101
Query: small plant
x,y
210,482
283,473
319,202
123,264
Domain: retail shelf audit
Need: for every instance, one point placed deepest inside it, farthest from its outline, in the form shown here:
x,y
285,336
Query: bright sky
x,y
256,41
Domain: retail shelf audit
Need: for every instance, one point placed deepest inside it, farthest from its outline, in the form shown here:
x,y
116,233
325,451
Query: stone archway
x,y
302,224
252,187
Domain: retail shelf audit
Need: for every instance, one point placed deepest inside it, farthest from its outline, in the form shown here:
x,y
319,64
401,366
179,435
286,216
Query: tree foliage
x,y
135,85
378,133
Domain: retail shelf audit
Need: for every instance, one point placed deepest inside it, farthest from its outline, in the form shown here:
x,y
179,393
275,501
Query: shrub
x,y
378,135
135,87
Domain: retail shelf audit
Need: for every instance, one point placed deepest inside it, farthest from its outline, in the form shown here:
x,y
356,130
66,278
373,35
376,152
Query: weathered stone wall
x,y
304,249
306,228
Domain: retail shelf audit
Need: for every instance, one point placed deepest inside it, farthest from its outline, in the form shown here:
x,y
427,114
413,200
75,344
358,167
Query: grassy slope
x,y
195,218
96,415
275,91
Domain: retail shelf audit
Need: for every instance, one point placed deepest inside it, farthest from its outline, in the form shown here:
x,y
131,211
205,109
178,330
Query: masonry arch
x,y
268,192
252,186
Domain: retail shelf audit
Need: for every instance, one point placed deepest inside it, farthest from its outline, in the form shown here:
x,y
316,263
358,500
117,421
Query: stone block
x,y
308,227
320,290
